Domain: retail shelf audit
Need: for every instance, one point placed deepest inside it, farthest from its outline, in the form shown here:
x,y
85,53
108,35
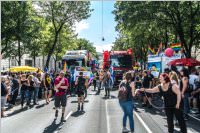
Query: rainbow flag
x,y
176,46
151,51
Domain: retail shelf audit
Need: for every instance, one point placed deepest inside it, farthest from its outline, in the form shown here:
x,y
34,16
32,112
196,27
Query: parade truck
x,y
118,62
77,58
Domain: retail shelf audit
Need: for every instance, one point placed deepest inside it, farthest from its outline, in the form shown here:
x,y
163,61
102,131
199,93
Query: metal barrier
x,y
139,124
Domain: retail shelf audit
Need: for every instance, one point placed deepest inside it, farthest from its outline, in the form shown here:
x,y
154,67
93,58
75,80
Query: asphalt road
x,y
100,116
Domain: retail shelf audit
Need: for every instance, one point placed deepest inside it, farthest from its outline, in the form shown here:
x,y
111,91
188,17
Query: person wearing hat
x,y
61,85
81,85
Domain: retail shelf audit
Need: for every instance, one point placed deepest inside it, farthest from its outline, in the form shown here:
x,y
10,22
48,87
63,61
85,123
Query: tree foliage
x,y
149,23
41,28
61,13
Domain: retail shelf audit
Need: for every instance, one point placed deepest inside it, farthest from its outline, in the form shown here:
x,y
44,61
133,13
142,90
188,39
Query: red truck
x,y
118,62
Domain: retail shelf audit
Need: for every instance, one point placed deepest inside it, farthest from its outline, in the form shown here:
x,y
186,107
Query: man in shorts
x,y
61,85
81,84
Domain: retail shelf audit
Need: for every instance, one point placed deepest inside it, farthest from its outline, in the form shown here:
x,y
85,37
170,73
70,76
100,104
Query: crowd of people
x,y
180,89
29,86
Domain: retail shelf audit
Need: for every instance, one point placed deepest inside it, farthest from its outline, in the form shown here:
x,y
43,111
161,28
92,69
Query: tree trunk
x,y
51,50
19,53
34,60
167,39
55,61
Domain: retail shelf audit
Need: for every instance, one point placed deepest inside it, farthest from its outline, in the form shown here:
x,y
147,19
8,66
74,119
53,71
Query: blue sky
x,y
91,29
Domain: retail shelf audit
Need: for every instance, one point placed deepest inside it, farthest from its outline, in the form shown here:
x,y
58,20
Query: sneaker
x,y
56,114
125,130
62,119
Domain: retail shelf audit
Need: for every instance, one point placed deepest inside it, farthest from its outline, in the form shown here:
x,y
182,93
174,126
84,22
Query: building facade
x,y
26,60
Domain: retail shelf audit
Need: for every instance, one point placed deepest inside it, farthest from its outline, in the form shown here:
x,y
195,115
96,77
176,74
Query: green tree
x,y
160,19
63,13
16,27
83,44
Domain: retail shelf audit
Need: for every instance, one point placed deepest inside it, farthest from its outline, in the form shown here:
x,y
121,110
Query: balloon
x,y
169,52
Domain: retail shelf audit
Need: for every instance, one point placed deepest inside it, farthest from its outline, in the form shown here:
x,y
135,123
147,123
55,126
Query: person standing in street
x,y
184,84
61,85
14,90
95,80
4,93
100,74
146,83
24,83
125,96
81,85
172,101
107,81
31,89
47,88
37,86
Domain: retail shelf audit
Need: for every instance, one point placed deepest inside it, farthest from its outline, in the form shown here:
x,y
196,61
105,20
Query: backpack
x,y
81,84
123,92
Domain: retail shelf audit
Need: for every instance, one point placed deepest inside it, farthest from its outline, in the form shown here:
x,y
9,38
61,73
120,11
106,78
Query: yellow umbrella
x,y
24,69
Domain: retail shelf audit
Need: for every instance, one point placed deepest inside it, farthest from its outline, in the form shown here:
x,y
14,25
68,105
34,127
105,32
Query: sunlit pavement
x,y
100,116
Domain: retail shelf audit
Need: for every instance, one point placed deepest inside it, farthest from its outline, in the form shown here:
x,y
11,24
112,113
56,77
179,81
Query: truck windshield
x,y
121,61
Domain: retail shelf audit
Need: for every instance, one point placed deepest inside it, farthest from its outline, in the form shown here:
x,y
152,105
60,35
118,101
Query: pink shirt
x,y
61,91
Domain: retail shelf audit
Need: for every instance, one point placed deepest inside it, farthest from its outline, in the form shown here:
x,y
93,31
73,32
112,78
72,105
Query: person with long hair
x,y
172,101
184,84
47,88
125,96
146,83
31,89
24,83
174,77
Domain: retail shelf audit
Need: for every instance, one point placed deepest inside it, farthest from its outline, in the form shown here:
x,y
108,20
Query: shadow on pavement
x,y
17,111
86,101
111,97
40,106
91,94
78,113
51,128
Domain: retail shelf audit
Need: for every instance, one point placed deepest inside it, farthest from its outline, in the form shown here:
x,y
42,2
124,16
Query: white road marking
x,y
194,117
143,123
107,117
68,115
